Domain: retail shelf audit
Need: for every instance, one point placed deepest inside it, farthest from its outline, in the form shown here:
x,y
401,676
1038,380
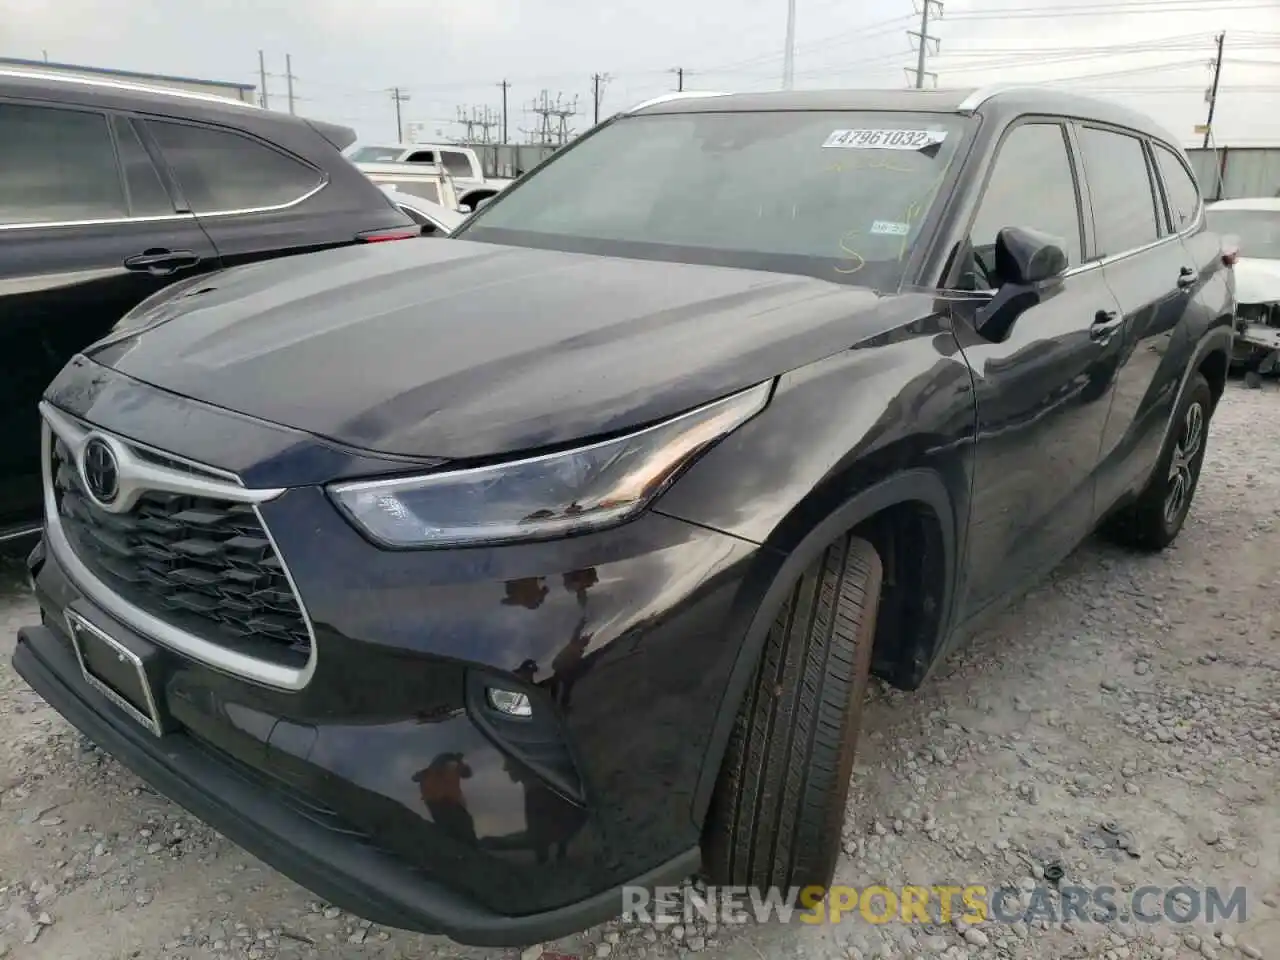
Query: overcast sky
x,y
1153,54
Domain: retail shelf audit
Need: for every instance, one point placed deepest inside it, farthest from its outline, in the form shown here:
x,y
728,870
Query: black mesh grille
x,y
205,566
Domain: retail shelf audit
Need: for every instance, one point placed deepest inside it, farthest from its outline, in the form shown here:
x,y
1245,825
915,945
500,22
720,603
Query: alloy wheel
x,y
1185,463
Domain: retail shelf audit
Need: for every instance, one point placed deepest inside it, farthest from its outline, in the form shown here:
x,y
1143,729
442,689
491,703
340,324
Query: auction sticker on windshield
x,y
885,139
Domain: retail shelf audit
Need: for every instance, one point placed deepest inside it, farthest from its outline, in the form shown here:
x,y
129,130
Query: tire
x,y
778,809
1154,520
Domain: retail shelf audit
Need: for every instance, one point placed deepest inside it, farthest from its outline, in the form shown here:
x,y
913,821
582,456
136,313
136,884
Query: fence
x,y
510,160
1227,173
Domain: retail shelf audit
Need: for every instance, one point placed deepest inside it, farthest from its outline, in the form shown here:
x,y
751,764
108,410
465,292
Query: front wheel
x,y
1155,519
778,809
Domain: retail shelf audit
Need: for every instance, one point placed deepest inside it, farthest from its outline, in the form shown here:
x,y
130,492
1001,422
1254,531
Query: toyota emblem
x,y
101,472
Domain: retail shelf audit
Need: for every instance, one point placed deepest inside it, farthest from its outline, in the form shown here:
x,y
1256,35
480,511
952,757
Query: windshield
x,y
1258,231
376,154
838,195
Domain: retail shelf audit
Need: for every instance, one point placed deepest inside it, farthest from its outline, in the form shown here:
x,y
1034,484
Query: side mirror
x,y
1027,257
1026,260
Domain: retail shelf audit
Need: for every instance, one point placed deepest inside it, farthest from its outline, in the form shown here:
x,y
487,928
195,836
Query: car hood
x,y
460,349
1257,280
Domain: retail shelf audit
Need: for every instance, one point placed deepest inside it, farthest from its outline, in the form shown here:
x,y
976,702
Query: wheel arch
x,y
872,512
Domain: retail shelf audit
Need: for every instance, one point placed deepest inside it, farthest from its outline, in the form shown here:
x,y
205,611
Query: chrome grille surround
x,y
144,470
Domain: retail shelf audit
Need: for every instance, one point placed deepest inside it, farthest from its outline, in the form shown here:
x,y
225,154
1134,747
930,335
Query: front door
x,y
1042,392
87,231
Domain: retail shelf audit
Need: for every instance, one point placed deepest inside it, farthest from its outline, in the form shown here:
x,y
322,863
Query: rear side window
x,y
458,164
1124,206
57,166
220,171
1031,186
427,190
1184,194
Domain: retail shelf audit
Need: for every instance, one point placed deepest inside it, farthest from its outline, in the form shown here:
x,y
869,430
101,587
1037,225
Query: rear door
x,y
87,231
1150,272
253,199
1042,391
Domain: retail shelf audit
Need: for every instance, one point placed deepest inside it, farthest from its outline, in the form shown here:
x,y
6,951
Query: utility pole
x,y
398,98
1213,92
789,54
598,80
288,75
505,86
924,38
679,72
262,78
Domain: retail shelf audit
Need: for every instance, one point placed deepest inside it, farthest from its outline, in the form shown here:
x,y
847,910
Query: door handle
x,y
1186,278
161,262
1104,324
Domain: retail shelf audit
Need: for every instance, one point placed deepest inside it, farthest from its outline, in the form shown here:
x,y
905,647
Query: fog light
x,y
510,702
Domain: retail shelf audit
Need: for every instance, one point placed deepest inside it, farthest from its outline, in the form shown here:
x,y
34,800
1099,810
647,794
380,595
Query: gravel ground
x,y
1140,691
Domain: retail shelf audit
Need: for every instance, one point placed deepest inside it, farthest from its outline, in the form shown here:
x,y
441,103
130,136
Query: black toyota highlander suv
x,y
467,582
110,191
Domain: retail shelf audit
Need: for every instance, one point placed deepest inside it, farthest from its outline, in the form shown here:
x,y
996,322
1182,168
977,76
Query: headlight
x,y
555,495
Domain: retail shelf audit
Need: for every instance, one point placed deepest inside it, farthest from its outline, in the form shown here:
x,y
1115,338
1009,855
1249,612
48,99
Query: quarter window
x,y
1124,206
1031,186
1184,194
220,171
147,195
57,166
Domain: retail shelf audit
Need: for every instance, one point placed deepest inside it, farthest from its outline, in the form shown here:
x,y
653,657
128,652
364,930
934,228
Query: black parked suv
x,y
110,192
466,582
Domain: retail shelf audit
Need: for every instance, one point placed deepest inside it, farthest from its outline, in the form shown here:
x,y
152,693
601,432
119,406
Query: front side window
x,y
57,166
220,171
1257,232
1124,205
835,194
1184,194
1031,186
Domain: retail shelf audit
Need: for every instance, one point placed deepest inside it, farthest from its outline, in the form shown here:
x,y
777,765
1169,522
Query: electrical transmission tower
x,y
478,123
929,10
552,128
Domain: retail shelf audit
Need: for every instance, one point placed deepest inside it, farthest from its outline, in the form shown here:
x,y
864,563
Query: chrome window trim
x,y
127,87
242,666
53,224
677,95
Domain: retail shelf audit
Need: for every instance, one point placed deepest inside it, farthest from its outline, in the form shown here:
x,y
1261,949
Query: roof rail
x,y
980,96
125,86
681,95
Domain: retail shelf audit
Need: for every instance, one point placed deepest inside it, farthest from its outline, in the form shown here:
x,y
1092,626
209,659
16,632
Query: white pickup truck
x,y
461,163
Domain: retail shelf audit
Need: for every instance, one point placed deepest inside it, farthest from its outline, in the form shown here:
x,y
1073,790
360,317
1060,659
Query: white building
x,y
218,88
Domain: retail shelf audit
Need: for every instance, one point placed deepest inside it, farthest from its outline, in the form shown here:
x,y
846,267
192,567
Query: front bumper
x,y
332,783
348,874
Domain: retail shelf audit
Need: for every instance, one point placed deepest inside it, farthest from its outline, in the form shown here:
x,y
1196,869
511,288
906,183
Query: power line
x,y
1131,8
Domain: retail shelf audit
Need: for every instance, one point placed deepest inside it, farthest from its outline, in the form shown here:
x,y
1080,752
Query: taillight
x,y
388,233
1229,258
